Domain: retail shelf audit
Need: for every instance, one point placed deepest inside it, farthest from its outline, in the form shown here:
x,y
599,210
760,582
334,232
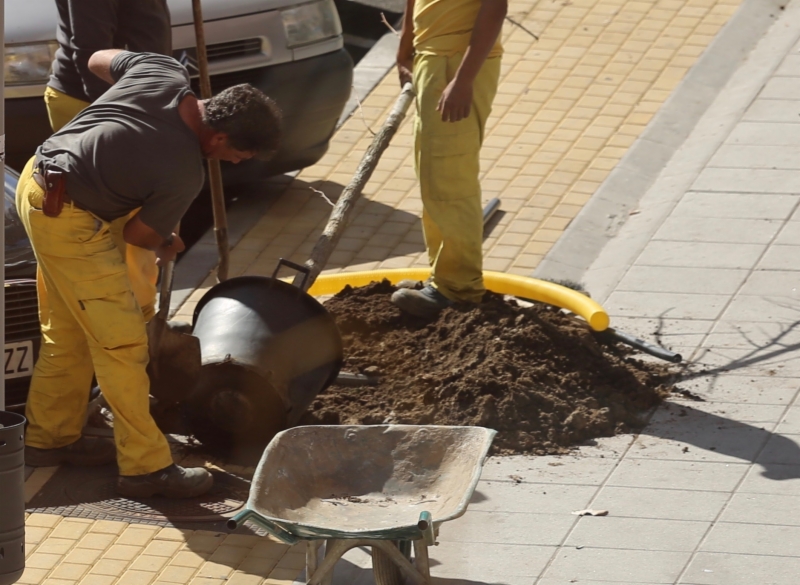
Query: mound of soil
x,y
540,377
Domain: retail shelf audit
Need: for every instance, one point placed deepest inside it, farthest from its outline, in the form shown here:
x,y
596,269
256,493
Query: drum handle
x,y
299,267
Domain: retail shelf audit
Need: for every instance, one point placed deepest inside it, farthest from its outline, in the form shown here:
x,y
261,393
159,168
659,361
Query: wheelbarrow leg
x,y
421,559
312,556
334,549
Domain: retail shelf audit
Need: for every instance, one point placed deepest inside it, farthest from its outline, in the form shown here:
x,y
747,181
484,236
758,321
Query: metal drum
x,y
268,348
12,497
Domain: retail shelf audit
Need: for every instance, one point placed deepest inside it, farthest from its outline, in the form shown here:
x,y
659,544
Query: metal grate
x,y
91,493
21,310
233,49
218,52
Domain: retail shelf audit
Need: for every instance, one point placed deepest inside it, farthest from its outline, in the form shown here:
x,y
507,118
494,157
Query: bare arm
x,y
456,99
405,52
138,233
100,64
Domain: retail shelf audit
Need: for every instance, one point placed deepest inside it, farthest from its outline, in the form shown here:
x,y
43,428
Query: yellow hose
x,y
507,284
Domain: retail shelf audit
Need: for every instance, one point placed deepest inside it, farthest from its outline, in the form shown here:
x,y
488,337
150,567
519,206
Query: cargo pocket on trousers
x,y
109,312
453,166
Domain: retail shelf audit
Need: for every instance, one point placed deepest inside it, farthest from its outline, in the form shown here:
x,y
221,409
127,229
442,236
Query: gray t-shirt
x,y
131,148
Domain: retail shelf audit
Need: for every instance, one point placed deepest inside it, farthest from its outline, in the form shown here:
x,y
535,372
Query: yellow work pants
x,y
447,157
142,269
91,323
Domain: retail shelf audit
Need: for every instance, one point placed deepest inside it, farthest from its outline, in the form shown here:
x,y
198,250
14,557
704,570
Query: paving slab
x,y
646,534
512,497
500,527
745,389
757,156
587,471
616,565
740,569
662,503
683,279
693,254
767,308
761,539
686,475
729,202
762,509
703,230
666,304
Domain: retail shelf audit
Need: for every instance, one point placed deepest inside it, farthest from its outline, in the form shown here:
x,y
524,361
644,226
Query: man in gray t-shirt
x,y
140,145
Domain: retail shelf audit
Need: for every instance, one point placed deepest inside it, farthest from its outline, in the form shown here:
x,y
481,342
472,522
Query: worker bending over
x,y
140,145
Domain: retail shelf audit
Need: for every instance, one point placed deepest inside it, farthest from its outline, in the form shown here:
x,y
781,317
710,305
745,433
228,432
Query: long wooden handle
x,y
214,171
340,216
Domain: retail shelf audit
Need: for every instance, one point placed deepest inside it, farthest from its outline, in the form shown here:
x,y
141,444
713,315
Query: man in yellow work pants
x,y
451,51
141,146
84,28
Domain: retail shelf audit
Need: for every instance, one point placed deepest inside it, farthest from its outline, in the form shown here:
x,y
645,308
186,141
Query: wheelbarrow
x,y
388,487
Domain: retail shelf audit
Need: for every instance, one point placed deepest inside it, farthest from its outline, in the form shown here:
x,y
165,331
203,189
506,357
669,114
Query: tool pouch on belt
x,y
53,193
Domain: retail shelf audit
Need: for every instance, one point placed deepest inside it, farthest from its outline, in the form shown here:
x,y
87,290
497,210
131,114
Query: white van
x,y
292,50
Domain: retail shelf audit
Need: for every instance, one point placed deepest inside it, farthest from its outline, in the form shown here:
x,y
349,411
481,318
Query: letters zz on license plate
x,y
19,359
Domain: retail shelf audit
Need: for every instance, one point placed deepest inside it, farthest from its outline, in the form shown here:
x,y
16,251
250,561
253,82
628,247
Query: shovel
x,y
214,170
174,356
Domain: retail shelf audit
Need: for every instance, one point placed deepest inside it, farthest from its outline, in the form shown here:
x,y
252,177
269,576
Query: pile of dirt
x,y
538,376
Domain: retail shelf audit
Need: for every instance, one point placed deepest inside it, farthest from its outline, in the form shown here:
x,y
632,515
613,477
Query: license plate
x,y
19,359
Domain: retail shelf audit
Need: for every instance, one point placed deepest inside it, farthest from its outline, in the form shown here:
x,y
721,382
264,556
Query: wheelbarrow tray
x,y
366,481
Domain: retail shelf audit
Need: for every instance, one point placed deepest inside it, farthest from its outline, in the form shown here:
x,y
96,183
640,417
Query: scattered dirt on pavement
x,y
540,377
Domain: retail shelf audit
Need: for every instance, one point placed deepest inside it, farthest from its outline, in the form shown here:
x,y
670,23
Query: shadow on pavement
x,y
375,232
770,350
778,455
348,572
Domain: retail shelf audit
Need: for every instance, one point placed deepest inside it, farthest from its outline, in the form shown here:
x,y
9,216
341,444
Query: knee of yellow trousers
x,y
56,407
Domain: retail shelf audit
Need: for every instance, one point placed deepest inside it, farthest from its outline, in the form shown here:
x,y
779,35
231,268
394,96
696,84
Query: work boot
x,y
427,302
411,283
171,482
86,452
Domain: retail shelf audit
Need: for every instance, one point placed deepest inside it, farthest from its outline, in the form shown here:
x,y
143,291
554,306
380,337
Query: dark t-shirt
x,y
86,26
131,148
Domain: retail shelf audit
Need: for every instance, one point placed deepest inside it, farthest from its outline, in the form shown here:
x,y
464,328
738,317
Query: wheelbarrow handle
x,y
425,526
273,529
299,267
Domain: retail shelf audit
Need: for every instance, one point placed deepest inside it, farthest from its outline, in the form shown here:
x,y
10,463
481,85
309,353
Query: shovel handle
x,y
165,292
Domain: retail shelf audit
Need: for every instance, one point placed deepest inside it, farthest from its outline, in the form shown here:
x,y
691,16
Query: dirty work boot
x,y
171,482
422,303
411,283
86,451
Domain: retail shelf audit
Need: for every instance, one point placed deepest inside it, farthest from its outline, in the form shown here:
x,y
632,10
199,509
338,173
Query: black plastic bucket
x,y
268,348
12,497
